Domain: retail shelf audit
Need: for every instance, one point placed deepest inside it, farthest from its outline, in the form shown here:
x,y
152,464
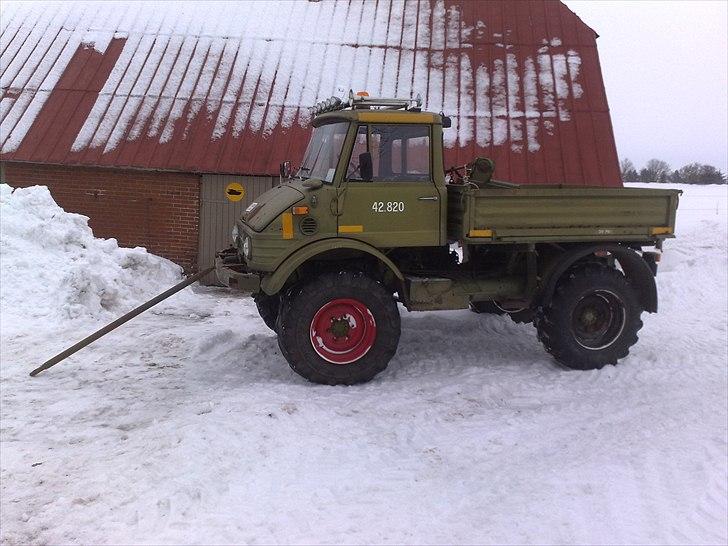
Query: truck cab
x,y
387,167
375,176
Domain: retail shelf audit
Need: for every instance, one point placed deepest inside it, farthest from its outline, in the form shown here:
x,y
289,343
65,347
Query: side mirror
x,y
446,122
365,166
285,169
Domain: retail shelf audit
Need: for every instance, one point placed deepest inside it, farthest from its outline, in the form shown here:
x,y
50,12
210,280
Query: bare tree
x,y
696,173
656,170
629,173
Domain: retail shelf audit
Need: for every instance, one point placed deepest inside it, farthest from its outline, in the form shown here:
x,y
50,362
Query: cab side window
x,y
399,153
409,155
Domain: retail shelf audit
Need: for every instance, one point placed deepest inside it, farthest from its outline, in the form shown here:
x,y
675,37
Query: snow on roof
x,y
225,87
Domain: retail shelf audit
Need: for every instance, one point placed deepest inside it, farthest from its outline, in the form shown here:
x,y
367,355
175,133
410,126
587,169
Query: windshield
x,y
322,154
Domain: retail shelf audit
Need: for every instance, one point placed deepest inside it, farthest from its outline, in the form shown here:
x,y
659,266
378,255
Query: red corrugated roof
x,y
222,87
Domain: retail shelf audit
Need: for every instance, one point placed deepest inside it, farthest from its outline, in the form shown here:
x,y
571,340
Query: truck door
x,y
388,195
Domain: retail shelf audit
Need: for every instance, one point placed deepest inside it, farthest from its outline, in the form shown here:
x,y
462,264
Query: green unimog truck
x,y
372,219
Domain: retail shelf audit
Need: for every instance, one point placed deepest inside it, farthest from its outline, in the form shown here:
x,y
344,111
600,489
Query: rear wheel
x,y
339,328
592,320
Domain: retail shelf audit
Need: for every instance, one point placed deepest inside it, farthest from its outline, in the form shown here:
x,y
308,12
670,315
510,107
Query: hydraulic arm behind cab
x,y
369,220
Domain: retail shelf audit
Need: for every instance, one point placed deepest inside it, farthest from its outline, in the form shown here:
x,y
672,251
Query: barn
x,y
138,115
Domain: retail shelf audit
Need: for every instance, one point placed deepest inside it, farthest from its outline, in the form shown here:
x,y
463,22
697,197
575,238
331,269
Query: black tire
x,y
592,320
268,308
302,307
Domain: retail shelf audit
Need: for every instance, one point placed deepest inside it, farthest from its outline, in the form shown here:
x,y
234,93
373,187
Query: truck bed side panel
x,y
540,213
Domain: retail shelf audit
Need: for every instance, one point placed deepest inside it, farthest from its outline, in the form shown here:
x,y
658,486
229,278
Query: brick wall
x,y
156,210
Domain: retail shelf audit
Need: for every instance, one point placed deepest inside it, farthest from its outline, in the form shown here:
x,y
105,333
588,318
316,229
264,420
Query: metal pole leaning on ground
x,y
118,322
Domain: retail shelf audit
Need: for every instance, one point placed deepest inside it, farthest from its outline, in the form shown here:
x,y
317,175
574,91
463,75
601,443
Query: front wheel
x,y
268,308
339,328
592,320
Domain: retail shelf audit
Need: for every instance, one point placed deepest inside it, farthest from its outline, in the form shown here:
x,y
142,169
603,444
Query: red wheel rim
x,y
343,331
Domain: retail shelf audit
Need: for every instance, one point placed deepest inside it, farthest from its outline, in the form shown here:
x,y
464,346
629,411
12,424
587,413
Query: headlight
x,y
235,234
246,248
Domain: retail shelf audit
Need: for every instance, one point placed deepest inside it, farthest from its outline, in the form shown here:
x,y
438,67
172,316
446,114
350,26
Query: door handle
x,y
430,198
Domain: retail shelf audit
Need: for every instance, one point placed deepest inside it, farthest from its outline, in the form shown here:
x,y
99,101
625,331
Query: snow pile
x,y
54,268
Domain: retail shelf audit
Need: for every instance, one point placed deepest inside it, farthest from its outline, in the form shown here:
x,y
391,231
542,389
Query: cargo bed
x,y
559,213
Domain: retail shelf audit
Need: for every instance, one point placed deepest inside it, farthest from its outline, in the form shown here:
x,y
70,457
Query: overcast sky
x,y
665,71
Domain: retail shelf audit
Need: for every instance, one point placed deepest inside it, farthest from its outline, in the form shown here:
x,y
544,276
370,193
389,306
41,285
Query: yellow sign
x,y
235,191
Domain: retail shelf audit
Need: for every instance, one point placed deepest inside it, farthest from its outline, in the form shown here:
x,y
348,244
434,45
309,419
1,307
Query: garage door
x,y
223,200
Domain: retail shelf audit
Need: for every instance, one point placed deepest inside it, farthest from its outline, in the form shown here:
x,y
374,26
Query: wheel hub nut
x,y
339,327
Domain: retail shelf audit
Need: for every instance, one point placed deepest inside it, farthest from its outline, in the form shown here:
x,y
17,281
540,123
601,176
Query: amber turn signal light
x,y
299,210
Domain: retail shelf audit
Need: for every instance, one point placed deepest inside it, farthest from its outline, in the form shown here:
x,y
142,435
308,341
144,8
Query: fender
x,y
272,283
635,268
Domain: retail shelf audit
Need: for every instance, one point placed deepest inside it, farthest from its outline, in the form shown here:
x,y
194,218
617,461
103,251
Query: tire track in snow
x,y
708,521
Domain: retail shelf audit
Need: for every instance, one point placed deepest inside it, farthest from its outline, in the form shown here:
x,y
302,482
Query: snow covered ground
x,y
186,425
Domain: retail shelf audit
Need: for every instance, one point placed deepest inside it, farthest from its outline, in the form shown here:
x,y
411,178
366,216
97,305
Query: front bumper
x,y
232,272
